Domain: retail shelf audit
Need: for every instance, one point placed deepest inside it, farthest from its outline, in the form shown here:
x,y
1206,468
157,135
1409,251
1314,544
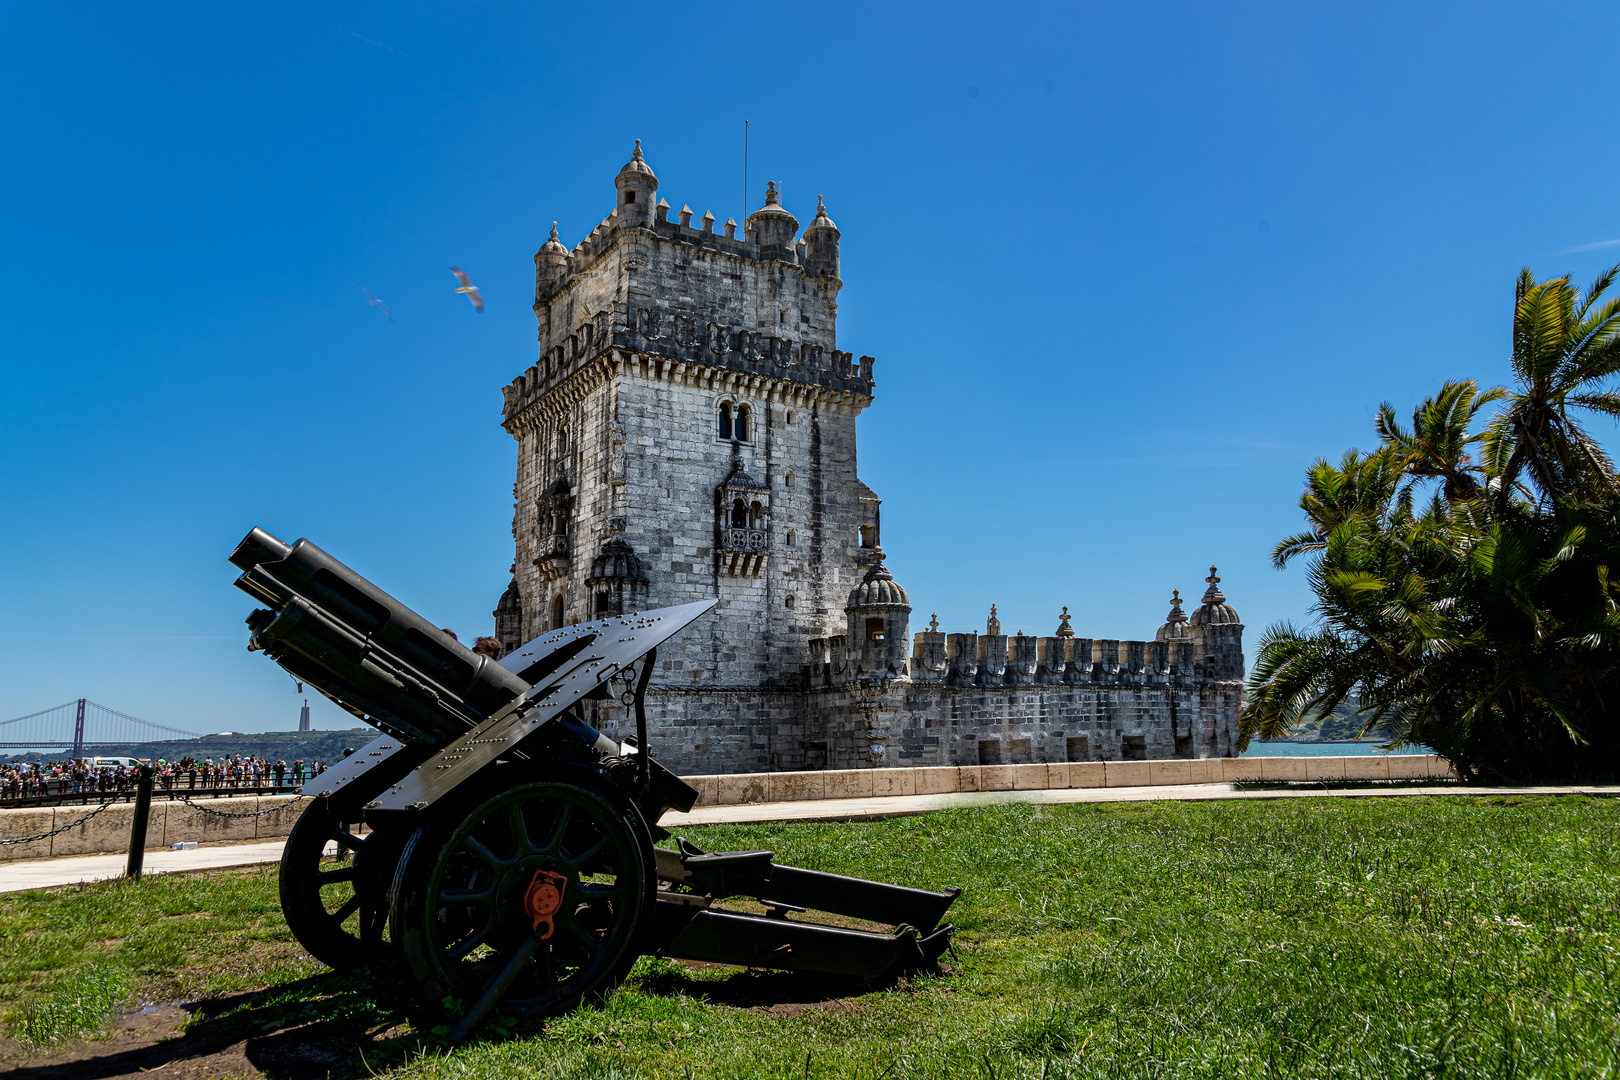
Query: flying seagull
x,y
469,288
374,302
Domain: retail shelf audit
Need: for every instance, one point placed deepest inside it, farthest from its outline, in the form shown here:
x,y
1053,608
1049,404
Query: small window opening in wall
x,y
783,317
787,479
989,751
756,516
630,196
790,601
556,612
874,628
868,536
742,423
725,419
739,514
790,416
790,538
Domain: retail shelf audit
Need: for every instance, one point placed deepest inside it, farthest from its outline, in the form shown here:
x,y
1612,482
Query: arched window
x,y
739,515
556,612
725,419
790,416
756,516
787,478
790,601
742,423
790,538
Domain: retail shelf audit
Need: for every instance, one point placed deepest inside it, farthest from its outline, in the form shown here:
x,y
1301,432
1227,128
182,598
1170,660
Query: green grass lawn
x,y
1423,937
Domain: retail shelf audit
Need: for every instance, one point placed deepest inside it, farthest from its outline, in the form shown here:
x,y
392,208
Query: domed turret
x,y
771,225
821,244
878,590
550,266
617,562
637,185
879,626
509,618
617,583
1215,611
1217,635
1175,623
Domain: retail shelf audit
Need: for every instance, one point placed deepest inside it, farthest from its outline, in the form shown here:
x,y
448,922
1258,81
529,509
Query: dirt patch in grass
x,y
259,1033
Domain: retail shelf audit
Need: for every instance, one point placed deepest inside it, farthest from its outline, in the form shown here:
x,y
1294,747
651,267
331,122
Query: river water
x,y
1327,749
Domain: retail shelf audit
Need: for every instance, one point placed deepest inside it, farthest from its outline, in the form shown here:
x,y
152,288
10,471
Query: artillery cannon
x,y
509,853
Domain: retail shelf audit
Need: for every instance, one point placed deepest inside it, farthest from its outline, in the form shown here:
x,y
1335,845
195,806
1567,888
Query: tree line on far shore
x,y
1462,569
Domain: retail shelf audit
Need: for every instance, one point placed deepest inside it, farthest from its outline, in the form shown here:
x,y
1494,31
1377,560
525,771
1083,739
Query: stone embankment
x,y
177,822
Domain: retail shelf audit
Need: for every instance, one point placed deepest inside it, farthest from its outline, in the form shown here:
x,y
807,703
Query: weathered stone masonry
x,y
688,432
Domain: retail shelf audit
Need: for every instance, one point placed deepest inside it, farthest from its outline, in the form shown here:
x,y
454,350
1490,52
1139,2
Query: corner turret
x,y
878,614
821,245
1217,635
550,267
637,187
1175,623
772,227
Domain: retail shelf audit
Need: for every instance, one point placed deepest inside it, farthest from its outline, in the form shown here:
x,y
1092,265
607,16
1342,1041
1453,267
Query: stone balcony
x,y
745,552
551,556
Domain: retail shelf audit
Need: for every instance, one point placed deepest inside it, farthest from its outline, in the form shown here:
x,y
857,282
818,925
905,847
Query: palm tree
x,y
1437,445
1361,486
1565,347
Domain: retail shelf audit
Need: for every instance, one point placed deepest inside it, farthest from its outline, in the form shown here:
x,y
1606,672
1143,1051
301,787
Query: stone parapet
x,y
736,789
171,822
175,822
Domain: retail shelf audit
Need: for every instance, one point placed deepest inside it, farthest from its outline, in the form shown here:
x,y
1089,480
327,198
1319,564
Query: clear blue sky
x,y
1127,269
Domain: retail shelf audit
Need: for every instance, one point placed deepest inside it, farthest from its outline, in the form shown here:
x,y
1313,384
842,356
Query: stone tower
x,y
688,431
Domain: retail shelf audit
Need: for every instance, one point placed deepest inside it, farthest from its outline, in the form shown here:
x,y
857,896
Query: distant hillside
x,y
1343,724
274,745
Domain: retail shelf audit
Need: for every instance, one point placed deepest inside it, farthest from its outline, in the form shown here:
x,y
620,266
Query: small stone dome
x,y
771,223
637,166
1215,611
511,602
879,589
553,247
1175,623
821,221
617,562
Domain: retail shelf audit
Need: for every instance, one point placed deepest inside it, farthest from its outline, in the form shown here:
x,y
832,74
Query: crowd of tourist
x,y
31,779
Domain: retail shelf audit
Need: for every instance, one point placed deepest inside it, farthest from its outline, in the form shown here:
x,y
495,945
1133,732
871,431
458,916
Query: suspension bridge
x,y
82,725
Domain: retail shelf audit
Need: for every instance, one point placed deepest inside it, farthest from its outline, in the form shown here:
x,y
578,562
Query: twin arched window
x,y
735,421
744,516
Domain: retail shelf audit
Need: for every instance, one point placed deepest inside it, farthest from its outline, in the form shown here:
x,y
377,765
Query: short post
x,y
143,814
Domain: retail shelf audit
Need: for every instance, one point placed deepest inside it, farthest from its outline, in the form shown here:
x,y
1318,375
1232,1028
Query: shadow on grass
x,y
359,1023
781,992
328,1025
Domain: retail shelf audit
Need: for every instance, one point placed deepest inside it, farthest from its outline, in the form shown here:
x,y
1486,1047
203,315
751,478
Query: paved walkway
x,y
70,870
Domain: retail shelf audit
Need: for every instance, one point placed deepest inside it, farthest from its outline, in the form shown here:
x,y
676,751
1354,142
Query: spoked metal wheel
x,y
336,904
535,900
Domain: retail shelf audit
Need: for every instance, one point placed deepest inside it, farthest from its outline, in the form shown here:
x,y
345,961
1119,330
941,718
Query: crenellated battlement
x,y
1209,650
662,336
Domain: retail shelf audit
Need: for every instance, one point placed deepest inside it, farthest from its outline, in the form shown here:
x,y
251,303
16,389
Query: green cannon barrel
x,y
362,648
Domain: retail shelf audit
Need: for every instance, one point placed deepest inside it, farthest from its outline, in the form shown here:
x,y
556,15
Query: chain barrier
x,y
249,814
54,832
